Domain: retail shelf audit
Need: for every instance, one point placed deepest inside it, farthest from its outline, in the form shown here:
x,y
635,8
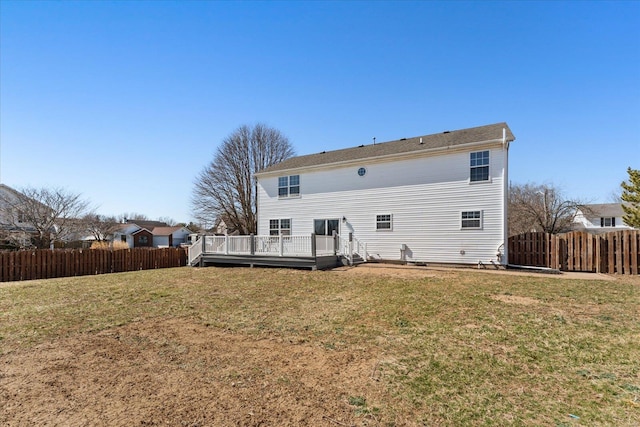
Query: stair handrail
x,y
195,250
350,246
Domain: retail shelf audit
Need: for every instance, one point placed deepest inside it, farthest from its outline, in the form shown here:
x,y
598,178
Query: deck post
x,y
335,242
204,243
313,245
281,244
226,244
252,244
350,248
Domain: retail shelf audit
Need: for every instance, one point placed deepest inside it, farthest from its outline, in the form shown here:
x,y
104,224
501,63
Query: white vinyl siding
x,y
426,196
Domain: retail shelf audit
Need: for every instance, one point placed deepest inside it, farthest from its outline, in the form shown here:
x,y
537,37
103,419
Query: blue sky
x,y
125,102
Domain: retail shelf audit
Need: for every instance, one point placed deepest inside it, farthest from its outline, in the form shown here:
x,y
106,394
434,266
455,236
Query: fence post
x,y
313,245
252,244
597,254
226,244
281,244
335,242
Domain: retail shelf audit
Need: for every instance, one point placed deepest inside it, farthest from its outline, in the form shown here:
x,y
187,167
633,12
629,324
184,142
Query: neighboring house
x,y
124,233
14,225
147,234
438,198
222,226
170,236
600,218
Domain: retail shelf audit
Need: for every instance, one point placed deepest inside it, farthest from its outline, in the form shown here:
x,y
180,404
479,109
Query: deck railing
x,y
351,246
295,246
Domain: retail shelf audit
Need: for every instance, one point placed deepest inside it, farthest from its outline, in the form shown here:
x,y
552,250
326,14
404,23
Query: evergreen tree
x,y
631,198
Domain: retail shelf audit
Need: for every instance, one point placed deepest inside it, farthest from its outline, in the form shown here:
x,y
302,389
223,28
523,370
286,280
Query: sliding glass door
x,y
326,227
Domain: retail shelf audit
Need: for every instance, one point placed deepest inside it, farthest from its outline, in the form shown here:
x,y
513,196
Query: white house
x,y
15,227
600,218
170,236
438,198
151,234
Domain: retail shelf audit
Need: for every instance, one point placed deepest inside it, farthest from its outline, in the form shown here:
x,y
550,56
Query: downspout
x,y
505,200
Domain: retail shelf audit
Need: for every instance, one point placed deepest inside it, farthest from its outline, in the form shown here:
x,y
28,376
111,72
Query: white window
x,y
289,186
279,227
479,162
471,219
607,222
384,222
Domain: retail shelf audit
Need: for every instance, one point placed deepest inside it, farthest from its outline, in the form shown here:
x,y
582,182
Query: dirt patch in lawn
x,y
181,373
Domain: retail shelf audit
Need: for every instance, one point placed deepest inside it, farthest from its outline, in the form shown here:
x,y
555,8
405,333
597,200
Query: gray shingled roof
x,y
402,146
604,210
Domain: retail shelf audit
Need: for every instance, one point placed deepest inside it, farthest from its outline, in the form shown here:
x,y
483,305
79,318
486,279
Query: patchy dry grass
x,y
452,347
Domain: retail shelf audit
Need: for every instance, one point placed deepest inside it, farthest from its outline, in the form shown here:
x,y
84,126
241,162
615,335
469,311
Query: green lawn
x,y
460,347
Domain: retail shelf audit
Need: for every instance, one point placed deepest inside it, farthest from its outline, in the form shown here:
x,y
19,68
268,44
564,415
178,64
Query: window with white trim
x,y
479,166
471,220
607,222
289,186
279,227
384,222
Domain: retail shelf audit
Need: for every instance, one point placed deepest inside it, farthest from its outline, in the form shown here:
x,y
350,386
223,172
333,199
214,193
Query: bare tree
x,y
535,207
132,216
615,196
168,220
100,227
45,214
227,186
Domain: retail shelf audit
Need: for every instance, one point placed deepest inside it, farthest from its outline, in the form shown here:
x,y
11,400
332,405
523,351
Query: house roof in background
x,y
148,224
165,231
402,146
603,210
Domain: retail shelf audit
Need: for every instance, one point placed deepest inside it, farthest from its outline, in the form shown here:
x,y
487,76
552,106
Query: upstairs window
x,y
383,222
479,166
289,186
607,222
471,220
279,227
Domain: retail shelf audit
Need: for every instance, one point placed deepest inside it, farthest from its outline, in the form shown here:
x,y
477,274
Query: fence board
x,y
45,263
617,252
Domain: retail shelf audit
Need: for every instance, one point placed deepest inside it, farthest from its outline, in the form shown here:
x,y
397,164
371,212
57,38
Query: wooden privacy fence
x,y
614,252
46,264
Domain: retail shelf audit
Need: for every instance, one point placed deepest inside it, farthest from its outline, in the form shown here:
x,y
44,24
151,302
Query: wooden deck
x,y
322,262
306,251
